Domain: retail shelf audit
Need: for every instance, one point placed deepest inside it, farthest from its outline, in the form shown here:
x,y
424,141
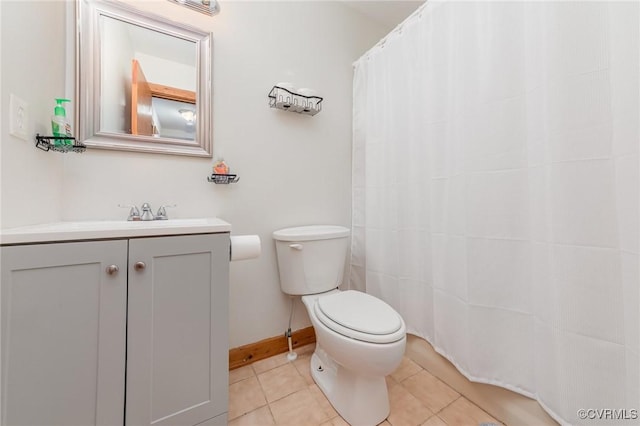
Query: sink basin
x,y
89,230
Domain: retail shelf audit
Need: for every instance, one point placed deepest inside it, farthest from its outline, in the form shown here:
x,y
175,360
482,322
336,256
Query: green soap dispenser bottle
x,y
59,125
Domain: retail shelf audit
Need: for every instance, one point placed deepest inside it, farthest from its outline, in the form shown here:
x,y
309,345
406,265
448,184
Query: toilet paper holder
x,y
244,247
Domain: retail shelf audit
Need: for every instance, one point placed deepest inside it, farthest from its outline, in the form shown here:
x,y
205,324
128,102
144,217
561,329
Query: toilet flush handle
x,y
296,246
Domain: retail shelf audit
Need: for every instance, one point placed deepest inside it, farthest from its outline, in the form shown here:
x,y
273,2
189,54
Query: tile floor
x,y
274,391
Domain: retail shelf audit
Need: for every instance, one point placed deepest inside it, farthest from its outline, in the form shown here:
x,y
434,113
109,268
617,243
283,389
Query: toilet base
x,y
360,400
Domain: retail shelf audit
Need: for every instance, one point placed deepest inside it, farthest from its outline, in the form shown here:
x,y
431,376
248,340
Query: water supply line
x,y
291,356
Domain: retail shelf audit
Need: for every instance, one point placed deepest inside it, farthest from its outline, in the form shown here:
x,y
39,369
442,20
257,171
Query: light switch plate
x,y
18,117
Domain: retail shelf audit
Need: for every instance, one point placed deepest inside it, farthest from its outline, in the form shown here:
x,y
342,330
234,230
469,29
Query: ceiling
x,y
387,12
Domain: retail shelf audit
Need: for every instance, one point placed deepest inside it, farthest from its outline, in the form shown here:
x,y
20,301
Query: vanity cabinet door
x,y
63,333
177,352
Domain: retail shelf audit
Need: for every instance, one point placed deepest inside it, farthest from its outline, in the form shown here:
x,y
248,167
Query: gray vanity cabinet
x,y
177,350
63,333
76,333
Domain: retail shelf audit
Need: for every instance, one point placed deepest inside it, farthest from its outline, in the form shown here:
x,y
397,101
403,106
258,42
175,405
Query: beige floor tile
x,y
245,396
405,369
505,405
323,401
281,381
434,421
306,349
303,365
385,423
260,417
430,390
336,421
390,382
240,374
298,409
269,363
463,412
405,408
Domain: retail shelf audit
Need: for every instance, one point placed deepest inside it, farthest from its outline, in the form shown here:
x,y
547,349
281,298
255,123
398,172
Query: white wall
x,y
169,73
32,57
294,169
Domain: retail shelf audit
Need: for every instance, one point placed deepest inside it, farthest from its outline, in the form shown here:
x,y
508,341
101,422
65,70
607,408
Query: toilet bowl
x,y
351,371
359,339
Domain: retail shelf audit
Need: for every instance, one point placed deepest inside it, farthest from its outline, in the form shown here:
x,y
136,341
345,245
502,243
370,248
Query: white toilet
x,y
360,339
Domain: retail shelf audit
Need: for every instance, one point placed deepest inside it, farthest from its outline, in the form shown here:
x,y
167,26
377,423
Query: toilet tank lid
x,y
310,233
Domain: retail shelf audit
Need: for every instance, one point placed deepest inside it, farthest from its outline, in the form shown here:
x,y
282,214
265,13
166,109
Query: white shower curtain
x,y
496,194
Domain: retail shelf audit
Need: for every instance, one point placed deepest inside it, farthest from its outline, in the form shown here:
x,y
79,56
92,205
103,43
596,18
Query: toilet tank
x,y
311,258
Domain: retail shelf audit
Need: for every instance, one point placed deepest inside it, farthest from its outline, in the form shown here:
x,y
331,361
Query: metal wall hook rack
x,y
286,100
48,143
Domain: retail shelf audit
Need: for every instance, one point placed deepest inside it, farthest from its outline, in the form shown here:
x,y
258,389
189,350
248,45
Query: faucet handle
x,y
134,213
162,213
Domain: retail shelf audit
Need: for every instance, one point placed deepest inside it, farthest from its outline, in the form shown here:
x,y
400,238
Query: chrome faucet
x,y
147,214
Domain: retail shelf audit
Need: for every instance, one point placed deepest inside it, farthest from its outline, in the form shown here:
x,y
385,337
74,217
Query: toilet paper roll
x,y
245,247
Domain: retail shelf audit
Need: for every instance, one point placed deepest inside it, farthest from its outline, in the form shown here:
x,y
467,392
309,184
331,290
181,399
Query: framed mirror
x,y
143,83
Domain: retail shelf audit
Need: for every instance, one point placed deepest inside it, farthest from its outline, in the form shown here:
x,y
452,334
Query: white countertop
x,y
91,230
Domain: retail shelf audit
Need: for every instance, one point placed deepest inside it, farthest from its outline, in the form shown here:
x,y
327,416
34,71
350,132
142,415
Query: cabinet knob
x,y
139,266
112,269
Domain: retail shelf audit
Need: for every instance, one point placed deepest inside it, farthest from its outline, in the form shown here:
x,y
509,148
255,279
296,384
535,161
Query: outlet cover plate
x,y
18,117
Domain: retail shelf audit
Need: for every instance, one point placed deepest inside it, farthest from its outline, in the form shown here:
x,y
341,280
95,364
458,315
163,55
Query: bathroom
x,y
294,170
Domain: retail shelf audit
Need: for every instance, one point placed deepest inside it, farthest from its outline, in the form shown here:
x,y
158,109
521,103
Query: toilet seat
x,y
360,316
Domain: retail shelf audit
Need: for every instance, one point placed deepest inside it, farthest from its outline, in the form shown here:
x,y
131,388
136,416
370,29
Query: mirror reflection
x,y
147,77
147,85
